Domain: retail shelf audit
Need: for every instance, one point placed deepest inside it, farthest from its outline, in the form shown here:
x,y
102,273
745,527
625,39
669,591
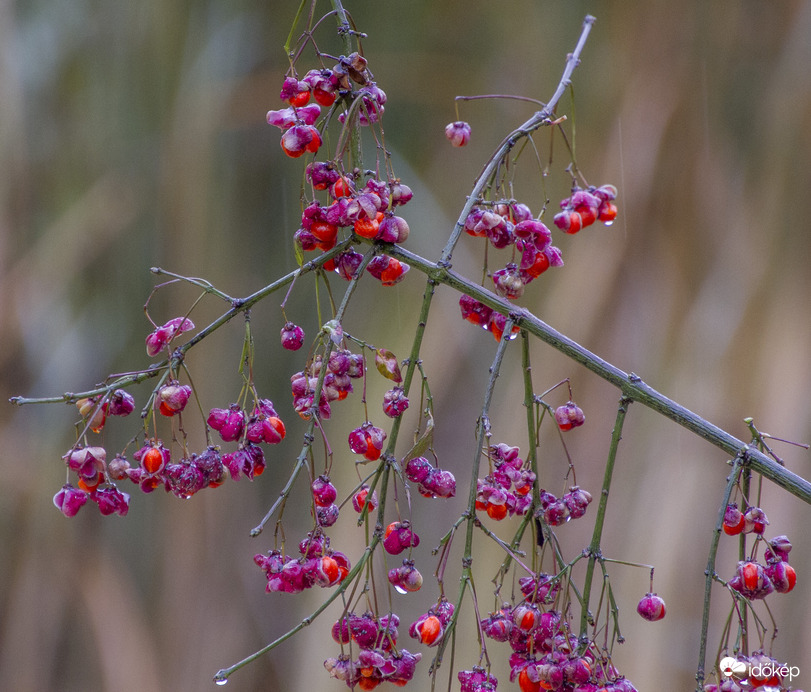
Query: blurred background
x,y
133,135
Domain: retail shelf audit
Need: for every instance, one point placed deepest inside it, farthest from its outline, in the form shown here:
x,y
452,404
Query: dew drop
x,y
222,682
607,223
400,589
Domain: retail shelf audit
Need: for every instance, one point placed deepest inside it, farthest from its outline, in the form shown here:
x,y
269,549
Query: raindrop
x,y
607,223
222,682
400,589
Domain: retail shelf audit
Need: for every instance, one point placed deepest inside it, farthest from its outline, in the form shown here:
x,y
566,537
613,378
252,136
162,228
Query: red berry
x,y
497,512
429,630
152,460
366,227
342,188
361,498
325,98
300,99
539,265
526,683
608,212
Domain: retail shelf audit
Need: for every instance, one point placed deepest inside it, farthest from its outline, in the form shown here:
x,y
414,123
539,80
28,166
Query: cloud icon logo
x,y
732,666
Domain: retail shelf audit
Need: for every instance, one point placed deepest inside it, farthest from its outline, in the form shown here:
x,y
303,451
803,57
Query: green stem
x,y
355,154
594,551
732,479
222,675
539,119
630,384
238,306
466,578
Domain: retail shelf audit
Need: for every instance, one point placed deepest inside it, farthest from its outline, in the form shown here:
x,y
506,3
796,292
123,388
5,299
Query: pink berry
x,y
458,133
395,402
69,500
651,607
569,416
292,336
121,403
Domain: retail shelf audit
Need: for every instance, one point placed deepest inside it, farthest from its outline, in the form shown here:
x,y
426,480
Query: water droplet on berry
x,y
607,223
400,589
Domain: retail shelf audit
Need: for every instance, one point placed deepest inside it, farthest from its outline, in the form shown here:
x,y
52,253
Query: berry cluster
x,y
584,207
508,224
431,481
753,579
318,565
342,367
507,490
379,659
367,208
546,654
558,510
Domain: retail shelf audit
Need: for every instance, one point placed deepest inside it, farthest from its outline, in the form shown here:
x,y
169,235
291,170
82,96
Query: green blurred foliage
x,y
132,135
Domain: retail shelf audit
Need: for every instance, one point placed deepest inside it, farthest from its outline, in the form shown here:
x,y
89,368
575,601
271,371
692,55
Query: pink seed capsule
x,y
569,416
292,337
458,133
651,607
324,492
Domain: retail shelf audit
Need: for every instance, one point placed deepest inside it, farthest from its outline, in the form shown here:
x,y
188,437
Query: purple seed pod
x,y
326,516
121,403
173,398
111,501
651,607
439,483
69,500
324,492
292,337
393,229
569,416
497,627
476,680
458,133
400,193
418,469
395,402
577,500
364,630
